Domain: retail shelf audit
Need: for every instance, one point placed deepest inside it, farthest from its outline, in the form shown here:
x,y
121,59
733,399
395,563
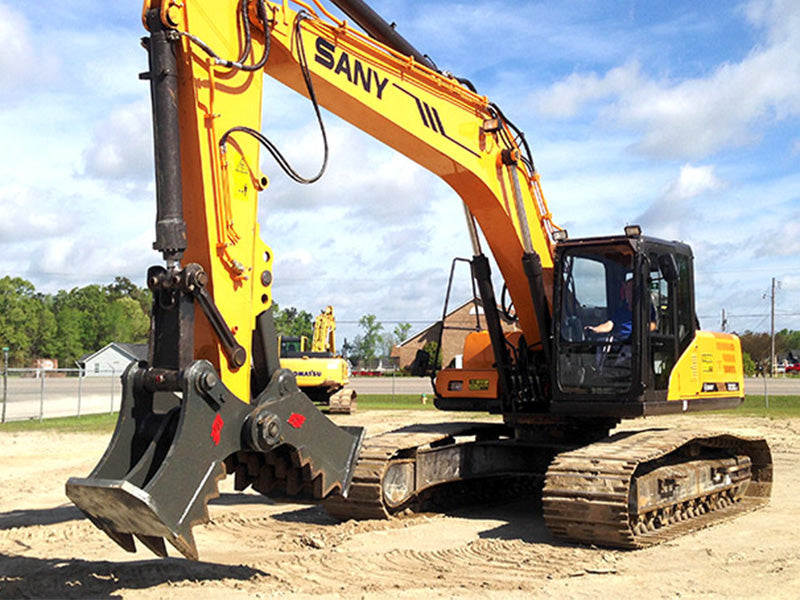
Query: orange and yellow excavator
x,y
608,328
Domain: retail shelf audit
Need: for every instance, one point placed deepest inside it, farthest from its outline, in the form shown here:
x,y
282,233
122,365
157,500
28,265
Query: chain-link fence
x,y
47,393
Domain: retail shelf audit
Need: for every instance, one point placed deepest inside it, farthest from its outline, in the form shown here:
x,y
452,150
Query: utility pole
x,y
772,365
724,325
5,384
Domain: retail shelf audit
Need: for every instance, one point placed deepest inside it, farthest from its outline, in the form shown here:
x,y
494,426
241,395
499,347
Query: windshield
x,y
596,321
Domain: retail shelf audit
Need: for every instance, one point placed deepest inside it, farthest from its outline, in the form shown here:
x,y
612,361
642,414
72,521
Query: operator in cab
x,y
620,322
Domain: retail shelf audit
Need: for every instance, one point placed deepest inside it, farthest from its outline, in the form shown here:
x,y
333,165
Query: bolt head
x,y
209,380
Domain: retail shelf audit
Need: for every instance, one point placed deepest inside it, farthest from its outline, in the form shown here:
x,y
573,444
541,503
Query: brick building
x,y
458,323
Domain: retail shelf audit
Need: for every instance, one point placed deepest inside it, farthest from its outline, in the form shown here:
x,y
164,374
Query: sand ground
x,y
255,548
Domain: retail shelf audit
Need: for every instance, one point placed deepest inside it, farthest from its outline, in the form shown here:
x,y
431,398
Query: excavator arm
x,y
434,120
324,334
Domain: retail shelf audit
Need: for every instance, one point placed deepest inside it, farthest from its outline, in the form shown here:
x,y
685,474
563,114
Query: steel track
x,y
587,492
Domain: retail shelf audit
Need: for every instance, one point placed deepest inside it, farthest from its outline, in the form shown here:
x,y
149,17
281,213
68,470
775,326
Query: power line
x,y
338,321
750,270
754,316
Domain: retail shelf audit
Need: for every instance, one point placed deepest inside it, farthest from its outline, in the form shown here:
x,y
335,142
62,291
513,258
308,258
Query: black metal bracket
x,y
178,285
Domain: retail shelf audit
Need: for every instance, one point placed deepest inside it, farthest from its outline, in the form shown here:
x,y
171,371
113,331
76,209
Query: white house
x,y
112,359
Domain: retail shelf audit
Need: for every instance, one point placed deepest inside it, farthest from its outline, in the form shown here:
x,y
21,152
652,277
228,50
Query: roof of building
x,y
134,351
427,328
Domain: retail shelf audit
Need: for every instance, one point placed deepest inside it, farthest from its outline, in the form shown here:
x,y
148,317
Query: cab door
x,y
669,322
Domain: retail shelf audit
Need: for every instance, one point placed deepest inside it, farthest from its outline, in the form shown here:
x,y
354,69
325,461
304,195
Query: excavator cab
x,y
293,346
623,318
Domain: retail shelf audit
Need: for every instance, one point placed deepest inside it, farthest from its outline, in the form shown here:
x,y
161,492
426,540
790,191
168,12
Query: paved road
x,y
788,386
780,386
388,385
65,396
30,398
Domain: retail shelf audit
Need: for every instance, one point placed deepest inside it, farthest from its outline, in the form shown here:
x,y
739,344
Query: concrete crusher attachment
x,y
170,449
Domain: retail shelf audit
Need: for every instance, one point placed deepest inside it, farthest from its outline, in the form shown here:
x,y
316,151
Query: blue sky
x,y
681,116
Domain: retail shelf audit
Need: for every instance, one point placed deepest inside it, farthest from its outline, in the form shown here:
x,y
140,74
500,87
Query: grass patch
x,y
780,407
102,423
396,402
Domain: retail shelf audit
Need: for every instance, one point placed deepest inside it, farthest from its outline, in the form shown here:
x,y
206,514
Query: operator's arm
x,y
601,328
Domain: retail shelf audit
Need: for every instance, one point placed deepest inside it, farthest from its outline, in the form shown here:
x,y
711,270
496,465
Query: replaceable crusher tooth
x,y
168,453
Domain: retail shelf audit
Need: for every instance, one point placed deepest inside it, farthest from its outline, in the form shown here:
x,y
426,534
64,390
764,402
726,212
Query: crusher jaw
x,y
180,432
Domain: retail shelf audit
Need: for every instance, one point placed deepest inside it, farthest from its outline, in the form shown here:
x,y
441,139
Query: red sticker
x,y
296,420
216,429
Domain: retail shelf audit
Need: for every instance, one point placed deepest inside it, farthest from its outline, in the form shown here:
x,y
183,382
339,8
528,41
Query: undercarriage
x,y
629,490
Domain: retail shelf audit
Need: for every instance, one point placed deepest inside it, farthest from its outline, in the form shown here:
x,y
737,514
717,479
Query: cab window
x,y
596,320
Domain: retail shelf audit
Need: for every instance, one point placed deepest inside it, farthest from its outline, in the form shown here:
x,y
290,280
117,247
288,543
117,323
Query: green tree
x,y
96,322
128,323
293,322
401,331
68,336
348,350
93,316
125,288
44,341
71,323
790,340
390,340
434,359
367,345
27,324
757,345
748,364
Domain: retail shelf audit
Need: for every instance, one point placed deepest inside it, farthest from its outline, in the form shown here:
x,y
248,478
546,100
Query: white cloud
x,y
694,181
674,214
568,97
366,184
694,118
122,146
24,218
783,239
23,64
17,47
17,59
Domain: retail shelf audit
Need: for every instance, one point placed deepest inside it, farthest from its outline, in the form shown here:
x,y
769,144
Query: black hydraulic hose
x,y
467,84
239,64
528,159
273,150
246,26
264,141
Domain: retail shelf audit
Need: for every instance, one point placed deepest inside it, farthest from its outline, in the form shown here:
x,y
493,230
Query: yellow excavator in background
x,y
321,374
607,324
